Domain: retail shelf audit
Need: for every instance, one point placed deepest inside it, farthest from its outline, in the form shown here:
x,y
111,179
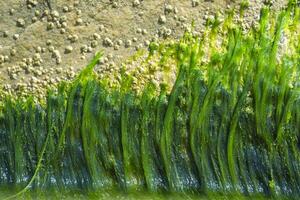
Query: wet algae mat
x,y
229,127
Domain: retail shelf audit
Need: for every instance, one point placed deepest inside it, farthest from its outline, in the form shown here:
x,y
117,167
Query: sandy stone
x,y
89,27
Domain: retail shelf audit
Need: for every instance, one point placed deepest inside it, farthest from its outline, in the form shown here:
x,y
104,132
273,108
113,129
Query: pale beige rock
x,y
90,27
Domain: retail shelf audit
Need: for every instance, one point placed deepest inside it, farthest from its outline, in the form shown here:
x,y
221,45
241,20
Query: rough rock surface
x,y
45,41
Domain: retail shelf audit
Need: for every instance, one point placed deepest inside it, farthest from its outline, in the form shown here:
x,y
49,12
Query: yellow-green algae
x,y
229,127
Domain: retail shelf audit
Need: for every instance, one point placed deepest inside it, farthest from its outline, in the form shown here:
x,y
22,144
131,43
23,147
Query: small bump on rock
x,y
16,36
162,19
136,3
20,22
68,49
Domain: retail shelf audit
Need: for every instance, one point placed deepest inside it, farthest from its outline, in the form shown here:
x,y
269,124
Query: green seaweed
x,y
230,126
